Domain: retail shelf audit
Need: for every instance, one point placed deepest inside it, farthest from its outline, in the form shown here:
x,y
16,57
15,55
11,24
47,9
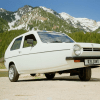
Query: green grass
x,y
3,73
2,66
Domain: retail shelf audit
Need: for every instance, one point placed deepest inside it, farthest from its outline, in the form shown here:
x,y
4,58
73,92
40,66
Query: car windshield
x,y
52,37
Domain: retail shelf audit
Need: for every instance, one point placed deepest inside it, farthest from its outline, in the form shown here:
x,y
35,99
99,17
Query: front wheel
x,y
50,75
85,74
13,74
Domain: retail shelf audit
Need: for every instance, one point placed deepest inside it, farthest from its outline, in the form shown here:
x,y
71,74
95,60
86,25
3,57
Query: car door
x,y
28,57
15,50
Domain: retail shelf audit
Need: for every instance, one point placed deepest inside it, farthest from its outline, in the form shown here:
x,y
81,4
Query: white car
x,y
49,53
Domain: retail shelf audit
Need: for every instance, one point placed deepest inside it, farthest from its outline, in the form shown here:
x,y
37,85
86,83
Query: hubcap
x,y
11,73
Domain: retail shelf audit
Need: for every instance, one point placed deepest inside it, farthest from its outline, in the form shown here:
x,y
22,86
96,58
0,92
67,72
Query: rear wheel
x,y
13,74
85,74
50,75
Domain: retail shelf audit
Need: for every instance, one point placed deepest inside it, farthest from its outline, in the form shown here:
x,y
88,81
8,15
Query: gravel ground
x,y
62,87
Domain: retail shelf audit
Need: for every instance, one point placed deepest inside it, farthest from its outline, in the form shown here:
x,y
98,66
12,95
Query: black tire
x,y
85,74
32,74
50,75
13,74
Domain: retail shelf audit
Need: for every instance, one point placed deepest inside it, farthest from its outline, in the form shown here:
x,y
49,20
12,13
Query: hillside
x,y
7,15
98,30
39,19
3,25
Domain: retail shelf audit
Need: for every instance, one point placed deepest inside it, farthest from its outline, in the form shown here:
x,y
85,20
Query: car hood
x,y
61,46
88,45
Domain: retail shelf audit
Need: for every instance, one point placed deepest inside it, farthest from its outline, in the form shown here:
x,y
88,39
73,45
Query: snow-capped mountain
x,y
28,10
42,19
82,23
24,10
51,11
11,16
25,16
18,14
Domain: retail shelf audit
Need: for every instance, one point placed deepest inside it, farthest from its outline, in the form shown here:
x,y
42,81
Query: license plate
x,y
92,61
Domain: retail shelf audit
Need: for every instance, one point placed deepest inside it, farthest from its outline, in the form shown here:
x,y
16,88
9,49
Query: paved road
x,y
63,87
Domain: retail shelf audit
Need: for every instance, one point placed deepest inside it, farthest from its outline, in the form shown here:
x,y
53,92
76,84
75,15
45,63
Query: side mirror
x,y
30,41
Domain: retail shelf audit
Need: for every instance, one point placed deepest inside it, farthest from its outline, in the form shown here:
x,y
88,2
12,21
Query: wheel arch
x,y
11,63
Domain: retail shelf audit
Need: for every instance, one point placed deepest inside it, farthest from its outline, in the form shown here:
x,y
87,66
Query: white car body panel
x,y
46,57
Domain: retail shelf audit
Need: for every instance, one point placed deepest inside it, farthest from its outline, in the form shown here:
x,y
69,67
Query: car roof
x,y
32,31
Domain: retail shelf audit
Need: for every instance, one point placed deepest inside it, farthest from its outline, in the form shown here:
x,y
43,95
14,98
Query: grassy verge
x,y
2,66
3,74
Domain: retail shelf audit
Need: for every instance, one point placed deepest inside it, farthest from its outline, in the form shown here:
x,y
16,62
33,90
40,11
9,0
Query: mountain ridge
x,y
85,23
40,18
13,18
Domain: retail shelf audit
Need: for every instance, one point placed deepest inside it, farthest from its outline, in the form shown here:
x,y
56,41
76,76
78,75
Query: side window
x,y
31,36
16,44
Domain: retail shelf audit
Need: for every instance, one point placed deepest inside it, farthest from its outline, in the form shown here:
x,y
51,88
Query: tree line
x,y
8,36
89,37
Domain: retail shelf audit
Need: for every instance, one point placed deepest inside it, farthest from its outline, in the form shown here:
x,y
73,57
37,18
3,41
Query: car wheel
x,y
50,75
85,74
32,74
13,74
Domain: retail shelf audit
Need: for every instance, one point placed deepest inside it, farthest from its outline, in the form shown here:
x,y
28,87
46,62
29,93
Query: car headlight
x,y
77,50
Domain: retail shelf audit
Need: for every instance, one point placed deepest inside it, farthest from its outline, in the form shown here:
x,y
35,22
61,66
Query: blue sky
x,y
76,8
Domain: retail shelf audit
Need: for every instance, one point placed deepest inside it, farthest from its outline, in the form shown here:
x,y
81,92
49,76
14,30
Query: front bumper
x,y
80,64
82,58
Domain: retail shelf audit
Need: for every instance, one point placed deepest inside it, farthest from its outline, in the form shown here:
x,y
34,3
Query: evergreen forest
x,y
3,25
7,37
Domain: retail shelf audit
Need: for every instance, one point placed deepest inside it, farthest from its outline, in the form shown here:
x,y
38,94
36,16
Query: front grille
x,y
91,49
87,49
96,49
